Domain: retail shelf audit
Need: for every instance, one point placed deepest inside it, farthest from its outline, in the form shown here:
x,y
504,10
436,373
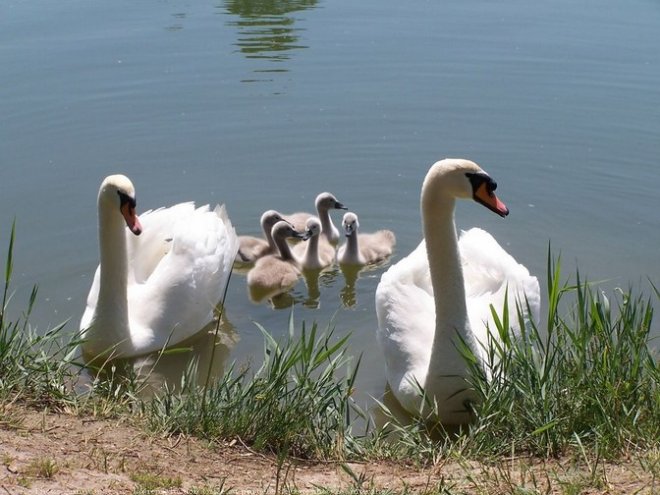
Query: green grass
x,y
585,384
589,382
37,368
297,403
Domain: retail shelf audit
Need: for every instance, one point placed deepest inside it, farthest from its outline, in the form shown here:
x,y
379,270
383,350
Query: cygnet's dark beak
x,y
302,235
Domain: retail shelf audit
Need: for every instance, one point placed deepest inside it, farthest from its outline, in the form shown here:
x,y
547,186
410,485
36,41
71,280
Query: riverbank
x,y
55,453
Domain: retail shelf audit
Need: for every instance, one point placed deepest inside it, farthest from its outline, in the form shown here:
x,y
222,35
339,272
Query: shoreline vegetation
x,y
572,406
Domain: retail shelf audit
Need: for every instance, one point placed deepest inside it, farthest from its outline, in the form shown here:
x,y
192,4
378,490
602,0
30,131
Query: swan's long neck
x,y
112,302
328,228
284,249
451,319
352,250
312,251
269,237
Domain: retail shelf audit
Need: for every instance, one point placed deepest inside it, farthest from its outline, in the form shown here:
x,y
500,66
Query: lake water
x,y
262,105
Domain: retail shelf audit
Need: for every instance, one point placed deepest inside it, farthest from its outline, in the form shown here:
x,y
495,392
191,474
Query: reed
x,y
588,380
35,368
586,383
298,403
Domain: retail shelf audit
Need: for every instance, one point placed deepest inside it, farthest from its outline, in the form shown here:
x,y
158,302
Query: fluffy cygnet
x,y
252,248
324,203
317,253
275,273
363,249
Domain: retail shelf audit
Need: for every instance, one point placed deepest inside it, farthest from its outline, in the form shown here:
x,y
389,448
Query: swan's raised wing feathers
x,y
492,275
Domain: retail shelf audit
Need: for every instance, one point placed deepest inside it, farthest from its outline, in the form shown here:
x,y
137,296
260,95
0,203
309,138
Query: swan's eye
x,y
479,179
125,198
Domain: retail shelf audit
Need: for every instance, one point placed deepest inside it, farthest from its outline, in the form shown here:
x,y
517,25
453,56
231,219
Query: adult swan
x,y
441,294
161,287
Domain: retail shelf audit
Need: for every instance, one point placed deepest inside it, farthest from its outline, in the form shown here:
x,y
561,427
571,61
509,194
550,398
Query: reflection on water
x,y
266,31
198,359
352,274
314,283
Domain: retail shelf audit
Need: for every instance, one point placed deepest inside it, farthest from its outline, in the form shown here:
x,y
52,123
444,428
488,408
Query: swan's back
x,y
275,273
406,324
178,270
182,291
492,275
376,246
272,273
406,309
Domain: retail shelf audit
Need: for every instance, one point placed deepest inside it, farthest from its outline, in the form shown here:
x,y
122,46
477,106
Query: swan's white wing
x,y
490,274
180,293
92,299
406,324
146,250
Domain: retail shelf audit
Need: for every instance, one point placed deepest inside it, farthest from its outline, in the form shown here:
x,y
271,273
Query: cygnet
x,y
324,203
252,248
317,253
364,249
275,273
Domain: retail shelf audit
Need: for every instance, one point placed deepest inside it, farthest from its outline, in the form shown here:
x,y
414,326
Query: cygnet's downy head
x,y
350,223
269,219
313,227
284,230
327,201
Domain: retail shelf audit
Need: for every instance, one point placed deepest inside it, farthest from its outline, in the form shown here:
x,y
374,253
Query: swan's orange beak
x,y
489,200
132,220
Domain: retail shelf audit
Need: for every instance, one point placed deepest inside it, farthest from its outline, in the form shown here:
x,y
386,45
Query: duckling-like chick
x,y
324,203
276,273
252,248
317,253
364,249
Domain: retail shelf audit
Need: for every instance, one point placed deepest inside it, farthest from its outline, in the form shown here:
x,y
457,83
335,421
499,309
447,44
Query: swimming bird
x,y
441,293
252,248
324,202
363,249
317,253
162,287
275,273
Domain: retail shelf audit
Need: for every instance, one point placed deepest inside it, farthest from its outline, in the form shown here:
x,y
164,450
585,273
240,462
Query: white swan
x,y
363,249
317,253
252,248
275,273
324,202
442,292
161,287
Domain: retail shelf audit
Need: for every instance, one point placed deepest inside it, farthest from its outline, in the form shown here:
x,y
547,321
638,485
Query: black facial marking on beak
x,y
483,192
126,199
477,179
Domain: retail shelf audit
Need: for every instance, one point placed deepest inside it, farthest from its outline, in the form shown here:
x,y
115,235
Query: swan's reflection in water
x,y
267,30
314,281
352,273
195,361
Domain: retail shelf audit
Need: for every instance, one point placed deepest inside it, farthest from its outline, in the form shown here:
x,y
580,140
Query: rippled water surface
x,y
263,104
